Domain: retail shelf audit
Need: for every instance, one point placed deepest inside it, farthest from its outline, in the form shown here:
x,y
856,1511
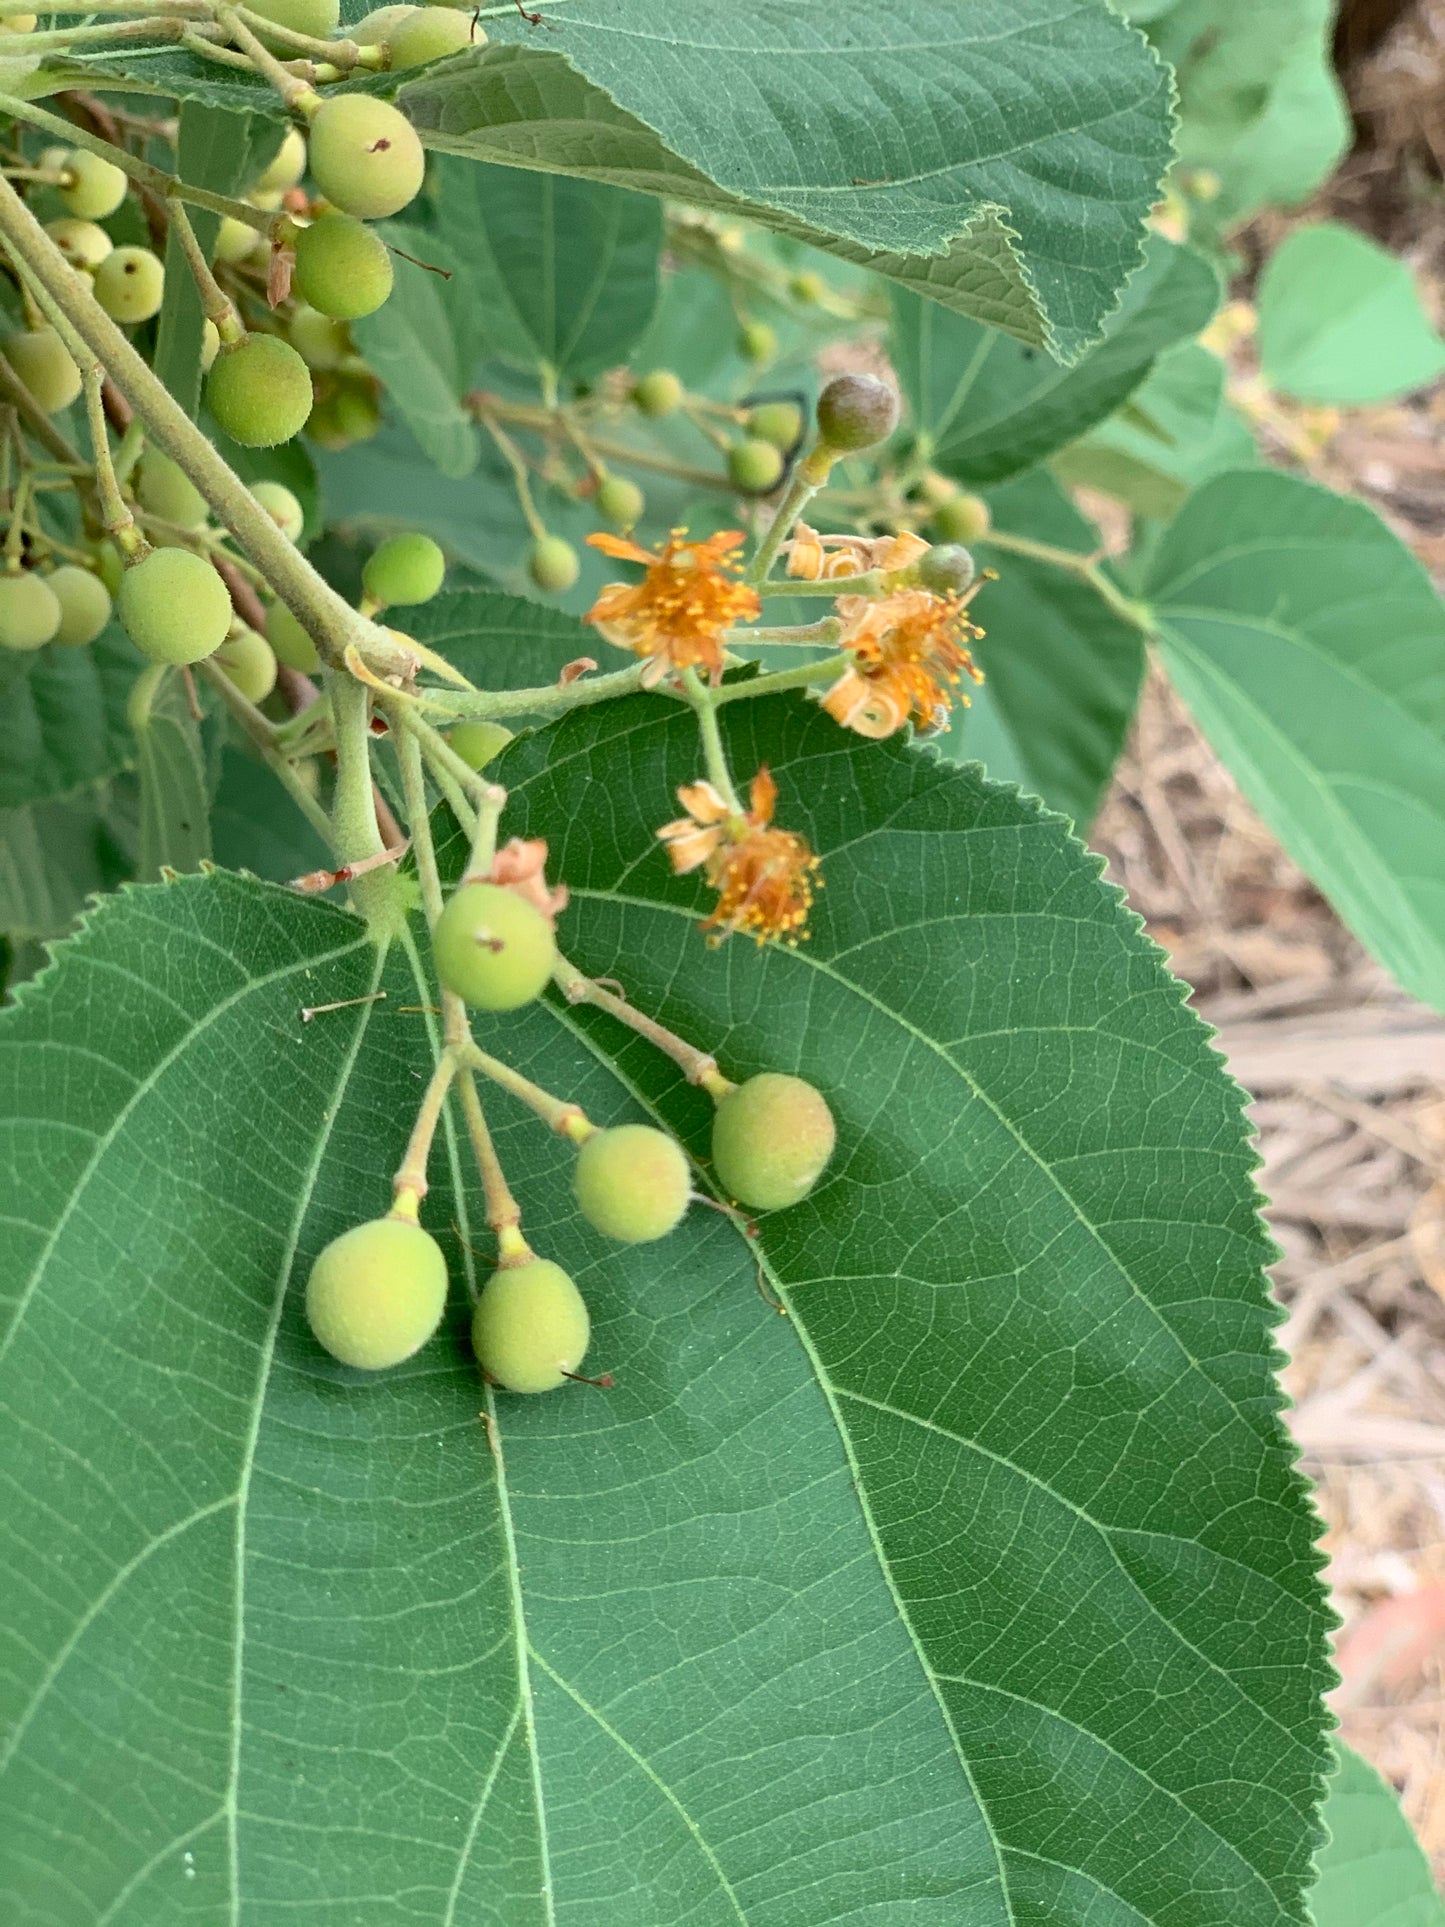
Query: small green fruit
x,y
966,518
493,948
96,187
530,1328
210,344
373,29
553,565
478,743
109,566
756,467
19,23
377,1293
431,34
44,364
84,604
778,422
165,489
236,241
321,342
946,569
771,1138
807,288
250,662
365,156
260,391
657,394
130,284
632,1183
405,569
174,606
856,411
289,164
343,268
83,244
620,501
29,612
317,18
282,507
757,342
933,489
289,641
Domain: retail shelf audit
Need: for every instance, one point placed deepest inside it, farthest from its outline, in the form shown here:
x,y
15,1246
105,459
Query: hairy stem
x,y
704,707
699,1067
1086,567
409,1185
567,1119
503,1212
453,705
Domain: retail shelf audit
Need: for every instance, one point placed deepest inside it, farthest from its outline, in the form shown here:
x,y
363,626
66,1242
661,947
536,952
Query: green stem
x,y
782,680
409,1186
353,812
559,1113
413,787
114,512
262,735
454,705
868,582
699,1067
704,707
807,635
15,531
503,1212
1137,614
807,478
516,461
216,305
299,95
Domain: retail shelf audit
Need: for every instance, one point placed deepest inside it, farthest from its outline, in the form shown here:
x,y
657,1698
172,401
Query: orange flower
x,y
765,878
831,558
678,614
909,656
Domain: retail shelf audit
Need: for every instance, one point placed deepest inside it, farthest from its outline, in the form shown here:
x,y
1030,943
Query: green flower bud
x,y
632,1183
771,1138
493,948
530,1328
377,1293
856,411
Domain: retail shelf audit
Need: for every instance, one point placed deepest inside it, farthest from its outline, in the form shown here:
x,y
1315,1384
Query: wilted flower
x,y
685,604
765,878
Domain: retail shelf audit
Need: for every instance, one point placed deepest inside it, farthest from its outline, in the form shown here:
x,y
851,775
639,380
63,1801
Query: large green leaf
x,y
65,717
411,343
1372,1871
1000,158
992,407
175,800
1310,645
503,641
54,855
981,1588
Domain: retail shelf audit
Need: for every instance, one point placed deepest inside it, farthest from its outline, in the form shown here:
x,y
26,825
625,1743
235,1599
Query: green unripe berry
x,y
771,1138
405,569
620,501
130,284
373,29
493,948
29,612
96,186
856,411
778,422
164,488
966,518
321,342
755,467
289,641
530,1328
933,489
84,604
632,1183
109,566
553,565
658,394
431,34
350,413
315,17
210,344
44,364
19,23
946,569
236,241
288,165
250,662
174,606
260,391
343,268
365,156
478,743
282,507
808,288
83,244
757,341
377,1293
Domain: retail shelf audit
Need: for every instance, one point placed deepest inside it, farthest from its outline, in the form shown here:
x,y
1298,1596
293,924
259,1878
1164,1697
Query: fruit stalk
x,y
263,735
409,1186
560,1114
1086,567
503,1212
699,1067
713,754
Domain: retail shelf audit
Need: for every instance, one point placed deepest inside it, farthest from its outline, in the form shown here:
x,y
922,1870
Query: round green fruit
x,y
84,604
771,1138
478,743
620,501
343,268
431,34
289,642
236,241
493,948
250,663
657,394
165,489
321,342
83,244
933,489
365,156
757,341
260,391
174,606
289,164
808,288
530,1329
130,284
405,569
282,507
44,364
778,422
632,1183
29,612
373,29
756,467
553,565
856,411
966,518
109,566
317,18
946,569
96,186
377,1293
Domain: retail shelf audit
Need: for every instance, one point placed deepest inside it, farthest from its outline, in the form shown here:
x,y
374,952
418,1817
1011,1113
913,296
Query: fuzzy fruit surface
x,y
343,268
130,284
321,342
966,518
97,186
43,363
250,662
632,1183
83,244
771,1138
373,27
235,240
553,565
405,569
778,422
431,34
174,607
282,507
260,391
947,569
365,156
289,641
620,501
530,1328
84,604
377,1293
163,487
493,948
478,743
658,394
755,466
856,411
289,164
315,17
29,612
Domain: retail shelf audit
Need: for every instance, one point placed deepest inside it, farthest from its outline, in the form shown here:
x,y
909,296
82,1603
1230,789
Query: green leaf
x,y
255,825
992,406
562,273
1062,671
411,343
1372,1869
54,855
1309,643
980,1588
502,641
999,159
1340,320
175,799
65,717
